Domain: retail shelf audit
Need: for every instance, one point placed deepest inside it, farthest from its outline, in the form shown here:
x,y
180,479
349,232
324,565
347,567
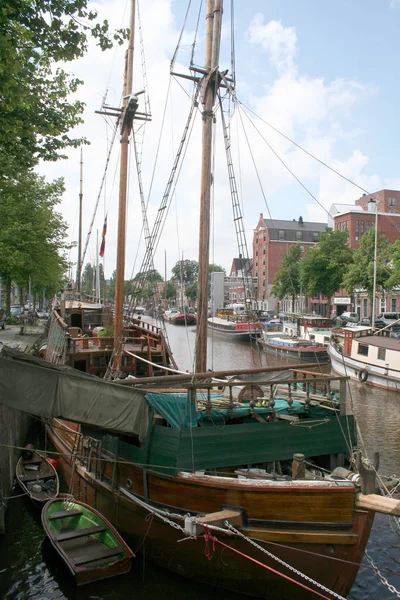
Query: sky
x,y
325,74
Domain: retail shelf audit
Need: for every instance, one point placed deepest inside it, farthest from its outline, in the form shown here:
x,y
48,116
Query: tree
x,y
216,268
151,276
186,271
35,114
361,272
32,234
191,292
325,264
287,279
394,278
170,292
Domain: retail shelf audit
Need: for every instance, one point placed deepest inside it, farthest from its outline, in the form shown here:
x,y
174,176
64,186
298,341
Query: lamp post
x,y
375,259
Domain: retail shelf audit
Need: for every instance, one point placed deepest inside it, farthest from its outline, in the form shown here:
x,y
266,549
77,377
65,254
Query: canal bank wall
x,y
14,424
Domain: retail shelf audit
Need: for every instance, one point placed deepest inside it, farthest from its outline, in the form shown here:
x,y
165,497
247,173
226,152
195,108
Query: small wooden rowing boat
x,y
89,545
37,476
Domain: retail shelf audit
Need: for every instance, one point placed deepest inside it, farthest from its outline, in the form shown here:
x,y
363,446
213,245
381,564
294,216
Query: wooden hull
x,y
316,354
89,545
303,525
182,319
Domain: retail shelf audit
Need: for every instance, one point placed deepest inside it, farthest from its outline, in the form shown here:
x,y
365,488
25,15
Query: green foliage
x,y
32,234
361,272
186,271
35,114
287,279
394,278
216,268
151,276
11,321
106,332
192,292
324,265
170,291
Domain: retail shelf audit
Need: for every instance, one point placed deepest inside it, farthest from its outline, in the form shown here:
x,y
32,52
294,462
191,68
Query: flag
x,y
103,239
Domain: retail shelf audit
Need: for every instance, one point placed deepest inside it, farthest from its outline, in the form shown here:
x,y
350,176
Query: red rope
x,y
209,537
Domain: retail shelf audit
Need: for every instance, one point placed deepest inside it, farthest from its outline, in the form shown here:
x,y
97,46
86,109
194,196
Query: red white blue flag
x,y
103,239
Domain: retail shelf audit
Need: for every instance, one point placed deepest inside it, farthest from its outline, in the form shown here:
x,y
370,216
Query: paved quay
x,y
11,336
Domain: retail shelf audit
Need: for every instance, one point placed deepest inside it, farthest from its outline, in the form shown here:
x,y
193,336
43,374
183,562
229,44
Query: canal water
x,y
29,570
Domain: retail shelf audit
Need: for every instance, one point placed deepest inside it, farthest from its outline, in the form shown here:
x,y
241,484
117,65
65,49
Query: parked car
x,y
349,317
42,314
389,318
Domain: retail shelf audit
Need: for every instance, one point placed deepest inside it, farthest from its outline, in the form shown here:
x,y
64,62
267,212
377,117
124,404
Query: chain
x,y
394,523
166,516
383,579
283,563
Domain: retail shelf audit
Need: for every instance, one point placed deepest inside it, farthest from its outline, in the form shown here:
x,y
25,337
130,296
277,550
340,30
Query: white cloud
x,y
278,40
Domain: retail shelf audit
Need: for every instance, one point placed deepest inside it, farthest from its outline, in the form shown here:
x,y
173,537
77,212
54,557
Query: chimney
x,y
300,220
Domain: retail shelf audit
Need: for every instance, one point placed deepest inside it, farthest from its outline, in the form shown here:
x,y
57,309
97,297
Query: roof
x,y
240,263
380,342
344,208
291,228
294,225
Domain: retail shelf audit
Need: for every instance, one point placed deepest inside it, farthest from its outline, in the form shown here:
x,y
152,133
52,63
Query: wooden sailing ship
x,y
268,479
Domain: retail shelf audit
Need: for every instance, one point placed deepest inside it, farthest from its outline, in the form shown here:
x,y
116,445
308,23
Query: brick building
x,y
272,239
358,219
240,274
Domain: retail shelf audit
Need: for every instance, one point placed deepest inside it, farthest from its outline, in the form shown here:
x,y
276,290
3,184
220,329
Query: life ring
x,y
363,375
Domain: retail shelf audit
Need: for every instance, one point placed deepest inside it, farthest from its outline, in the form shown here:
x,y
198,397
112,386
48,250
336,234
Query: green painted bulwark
x,y
203,448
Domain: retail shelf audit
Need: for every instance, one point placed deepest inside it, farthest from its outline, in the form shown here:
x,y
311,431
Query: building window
x,y
367,226
365,309
381,353
356,226
383,304
256,240
392,202
265,237
299,236
281,235
394,304
264,251
361,227
315,236
363,349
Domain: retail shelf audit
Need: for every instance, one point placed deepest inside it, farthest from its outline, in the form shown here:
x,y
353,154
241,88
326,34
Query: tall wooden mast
x,y
210,87
129,108
79,265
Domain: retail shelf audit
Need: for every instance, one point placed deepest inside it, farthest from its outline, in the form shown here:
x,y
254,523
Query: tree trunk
x,y
7,281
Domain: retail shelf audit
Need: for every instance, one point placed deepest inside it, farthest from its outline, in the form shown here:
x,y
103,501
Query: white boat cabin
x,y
312,328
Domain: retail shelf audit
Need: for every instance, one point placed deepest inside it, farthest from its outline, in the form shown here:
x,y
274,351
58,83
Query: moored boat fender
x,y
363,375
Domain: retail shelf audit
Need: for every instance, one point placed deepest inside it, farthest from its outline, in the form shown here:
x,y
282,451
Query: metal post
x,y
375,259
79,266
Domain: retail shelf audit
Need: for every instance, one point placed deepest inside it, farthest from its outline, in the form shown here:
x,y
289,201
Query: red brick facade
x,y
272,239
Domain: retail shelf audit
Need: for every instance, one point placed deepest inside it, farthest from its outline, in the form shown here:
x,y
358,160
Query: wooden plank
x,y
302,536
77,533
217,518
65,513
97,553
35,476
380,504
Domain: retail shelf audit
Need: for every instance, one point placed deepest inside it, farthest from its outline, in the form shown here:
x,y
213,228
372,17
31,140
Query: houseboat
x,y
369,358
